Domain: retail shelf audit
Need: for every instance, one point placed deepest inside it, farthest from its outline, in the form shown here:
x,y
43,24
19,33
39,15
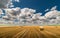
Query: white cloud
x,y
17,0
46,10
26,12
10,5
12,13
7,3
3,3
26,15
1,12
51,14
36,16
54,8
5,17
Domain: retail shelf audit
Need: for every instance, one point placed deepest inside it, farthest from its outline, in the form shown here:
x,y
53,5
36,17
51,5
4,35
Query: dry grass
x,y
30,32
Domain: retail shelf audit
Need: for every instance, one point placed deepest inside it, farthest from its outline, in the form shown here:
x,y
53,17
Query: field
x,y
30,32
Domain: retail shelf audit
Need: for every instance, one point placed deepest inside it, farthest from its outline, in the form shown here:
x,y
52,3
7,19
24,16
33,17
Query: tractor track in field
x,y
30,32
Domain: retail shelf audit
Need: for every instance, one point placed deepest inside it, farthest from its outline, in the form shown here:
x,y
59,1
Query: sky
x,y
38,5
30,11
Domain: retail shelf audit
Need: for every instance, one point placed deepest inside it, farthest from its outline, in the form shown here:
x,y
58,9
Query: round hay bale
x,y
41,28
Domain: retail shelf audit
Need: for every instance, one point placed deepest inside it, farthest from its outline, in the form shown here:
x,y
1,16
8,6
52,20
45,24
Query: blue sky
x,y
26,14
38,5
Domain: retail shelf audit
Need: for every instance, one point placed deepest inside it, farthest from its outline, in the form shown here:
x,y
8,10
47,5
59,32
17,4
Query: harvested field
x,y
30,32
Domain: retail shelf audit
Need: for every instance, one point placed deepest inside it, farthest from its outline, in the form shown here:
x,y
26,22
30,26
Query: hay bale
x,y
41,28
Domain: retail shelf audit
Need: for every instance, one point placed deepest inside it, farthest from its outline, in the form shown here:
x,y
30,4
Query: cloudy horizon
x,y
28,15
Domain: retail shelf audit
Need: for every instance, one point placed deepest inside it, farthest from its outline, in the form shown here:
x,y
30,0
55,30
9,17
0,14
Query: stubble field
x,y
30,32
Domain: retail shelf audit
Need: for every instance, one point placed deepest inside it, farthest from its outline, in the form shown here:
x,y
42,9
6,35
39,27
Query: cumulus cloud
x,y
29,16
46,10
7,3
54,8
12,13
17,0
1,11
51,14
3,3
